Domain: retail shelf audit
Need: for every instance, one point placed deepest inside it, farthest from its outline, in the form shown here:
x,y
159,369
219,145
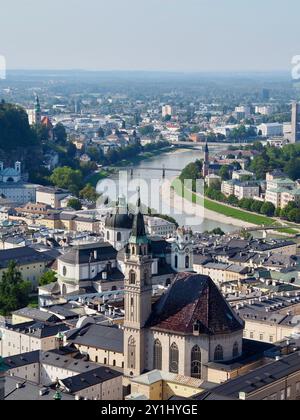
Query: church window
x,y
131,353
133,250
64,271
157,355
196,359
119,237
235,351
132,277
108,235
219,354
174,358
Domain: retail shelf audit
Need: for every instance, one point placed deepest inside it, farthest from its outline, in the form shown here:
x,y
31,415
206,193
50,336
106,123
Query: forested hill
x,y
17,138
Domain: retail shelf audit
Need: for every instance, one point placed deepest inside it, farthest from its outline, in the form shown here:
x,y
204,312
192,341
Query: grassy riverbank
x,y
253,218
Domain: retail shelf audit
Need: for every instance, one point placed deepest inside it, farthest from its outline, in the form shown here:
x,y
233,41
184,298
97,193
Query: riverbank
x,y
227,214
195,207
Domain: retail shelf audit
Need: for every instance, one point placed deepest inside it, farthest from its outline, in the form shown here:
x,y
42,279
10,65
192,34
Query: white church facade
x,y
12,187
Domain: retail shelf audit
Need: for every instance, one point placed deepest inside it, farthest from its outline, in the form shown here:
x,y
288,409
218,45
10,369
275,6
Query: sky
x,y
150,35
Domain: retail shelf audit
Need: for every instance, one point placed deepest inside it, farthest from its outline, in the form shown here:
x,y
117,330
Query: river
x,y
144,175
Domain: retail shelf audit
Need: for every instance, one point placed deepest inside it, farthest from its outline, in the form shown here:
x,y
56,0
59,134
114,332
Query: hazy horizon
x,y
194,36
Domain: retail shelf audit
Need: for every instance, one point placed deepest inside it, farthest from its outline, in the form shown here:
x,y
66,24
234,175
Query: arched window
x,y
196,362
133,250
119,237
157,355
131,353
176,261
108,235
132,277
235,351
187,262
174,358
219,355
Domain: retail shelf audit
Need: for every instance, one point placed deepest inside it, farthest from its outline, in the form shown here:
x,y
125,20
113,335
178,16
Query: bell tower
x,y
37,112
205,169
138,296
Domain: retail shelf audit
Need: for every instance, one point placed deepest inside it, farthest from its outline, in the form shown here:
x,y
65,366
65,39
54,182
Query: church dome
x,y
119,221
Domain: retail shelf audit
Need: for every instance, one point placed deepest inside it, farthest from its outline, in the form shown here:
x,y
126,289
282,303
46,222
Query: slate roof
x,y
88,379
38,329
29,391
83,254
99,336
191,299
260,378
36,315
25,359
23,255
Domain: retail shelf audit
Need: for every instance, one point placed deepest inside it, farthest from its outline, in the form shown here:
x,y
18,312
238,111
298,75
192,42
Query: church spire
x,y
138,235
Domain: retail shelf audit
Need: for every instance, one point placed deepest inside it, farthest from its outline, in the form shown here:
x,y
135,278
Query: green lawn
x,y
238,214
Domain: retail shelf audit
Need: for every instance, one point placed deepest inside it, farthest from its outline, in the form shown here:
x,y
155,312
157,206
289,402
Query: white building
x,y
166,111
271,129
160,227
12,186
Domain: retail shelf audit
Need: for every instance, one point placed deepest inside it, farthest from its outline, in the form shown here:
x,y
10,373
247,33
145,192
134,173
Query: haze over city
x,y
173,35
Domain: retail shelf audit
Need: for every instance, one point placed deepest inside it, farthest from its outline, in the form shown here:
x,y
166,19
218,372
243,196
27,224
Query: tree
x,y
284,213
14,291
256,206
292,168
294,215
260,167
224,173
15,131
268,209
192,172
147,130
48,278
67,178
93,153
89,193
246,203
60,134
75,204
233,200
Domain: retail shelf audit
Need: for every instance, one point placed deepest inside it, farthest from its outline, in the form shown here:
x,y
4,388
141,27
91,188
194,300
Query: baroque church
x,y
101,267
190,325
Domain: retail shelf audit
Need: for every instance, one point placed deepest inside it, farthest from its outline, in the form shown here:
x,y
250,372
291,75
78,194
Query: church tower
x,y
205,170
138,296
37,112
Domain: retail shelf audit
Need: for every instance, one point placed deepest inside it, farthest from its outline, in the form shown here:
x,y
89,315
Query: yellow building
x,y
31,263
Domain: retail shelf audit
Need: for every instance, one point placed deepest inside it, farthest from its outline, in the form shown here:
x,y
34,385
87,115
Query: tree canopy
x,y
14,291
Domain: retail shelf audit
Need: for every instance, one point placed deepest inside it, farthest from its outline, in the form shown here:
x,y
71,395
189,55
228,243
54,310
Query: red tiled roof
x,y
191,299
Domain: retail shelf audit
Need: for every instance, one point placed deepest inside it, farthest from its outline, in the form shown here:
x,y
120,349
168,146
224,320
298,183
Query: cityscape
x,y
149,205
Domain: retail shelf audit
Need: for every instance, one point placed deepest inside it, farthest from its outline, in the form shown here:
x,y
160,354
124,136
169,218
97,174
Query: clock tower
x,y
138,296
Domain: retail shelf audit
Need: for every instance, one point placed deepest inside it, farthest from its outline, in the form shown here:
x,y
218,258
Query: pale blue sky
x,y
179,35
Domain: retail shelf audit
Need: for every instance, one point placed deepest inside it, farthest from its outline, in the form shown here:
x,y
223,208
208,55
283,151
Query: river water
x,y
145,173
